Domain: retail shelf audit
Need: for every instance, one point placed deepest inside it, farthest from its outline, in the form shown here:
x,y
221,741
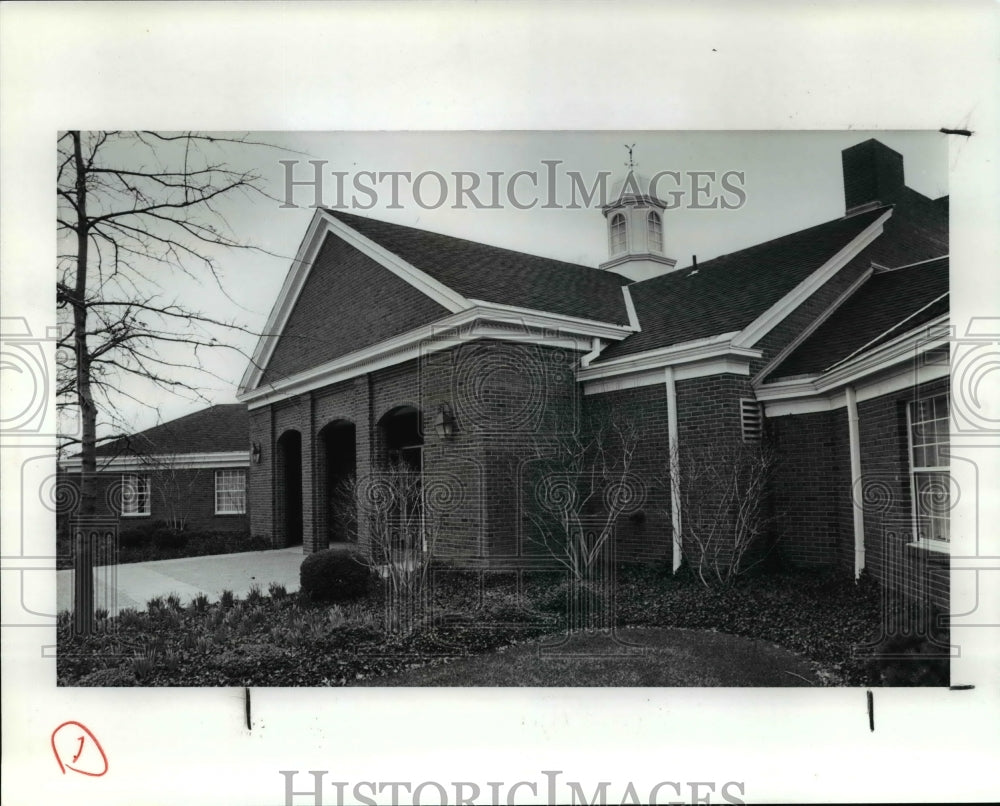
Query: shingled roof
x,y
892,302
220,428
729,292
492,274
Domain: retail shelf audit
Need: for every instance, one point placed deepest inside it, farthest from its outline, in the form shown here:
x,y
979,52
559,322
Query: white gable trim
x,y
764,323
887,332
420,280
819,320
479,322
179,461
714,347
680,372
607,330
324,224
888,368
633,317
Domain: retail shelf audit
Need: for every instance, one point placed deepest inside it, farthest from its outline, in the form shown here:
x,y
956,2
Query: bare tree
x,y
723,492
586,484
135,212
395,527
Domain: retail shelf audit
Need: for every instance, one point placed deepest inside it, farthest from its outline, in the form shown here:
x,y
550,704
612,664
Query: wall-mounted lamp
x,y
255,452
444,423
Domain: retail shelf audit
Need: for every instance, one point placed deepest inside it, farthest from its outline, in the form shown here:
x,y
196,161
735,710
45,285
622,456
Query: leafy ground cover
x,y
481,630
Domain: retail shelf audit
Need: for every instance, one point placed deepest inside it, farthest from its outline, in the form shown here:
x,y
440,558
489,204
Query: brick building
x,y
189,472
471,364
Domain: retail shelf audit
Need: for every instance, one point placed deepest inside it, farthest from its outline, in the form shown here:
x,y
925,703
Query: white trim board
x,y
463,327
324,224
681,372
222,460
902,378
794,344
774,315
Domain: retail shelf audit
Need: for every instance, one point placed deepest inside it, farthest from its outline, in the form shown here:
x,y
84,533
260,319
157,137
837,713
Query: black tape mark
x,y
963,687
246,707
871,711
963,132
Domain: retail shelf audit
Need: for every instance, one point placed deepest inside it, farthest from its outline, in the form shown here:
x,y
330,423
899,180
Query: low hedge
x,y
157,541
334,575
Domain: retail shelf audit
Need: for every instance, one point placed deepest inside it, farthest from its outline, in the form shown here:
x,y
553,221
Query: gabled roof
x,y
218,429
729,292
892,302
503,276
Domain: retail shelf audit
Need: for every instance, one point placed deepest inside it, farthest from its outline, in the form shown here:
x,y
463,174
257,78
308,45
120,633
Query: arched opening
x,y
618,234
402,438
401,457
654,232
288,518
337,513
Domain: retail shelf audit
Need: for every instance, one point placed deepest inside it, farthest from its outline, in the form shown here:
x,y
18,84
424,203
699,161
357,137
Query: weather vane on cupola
x,y
631,160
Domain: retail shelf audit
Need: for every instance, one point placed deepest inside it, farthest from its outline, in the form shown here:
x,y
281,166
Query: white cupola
x,y
635,229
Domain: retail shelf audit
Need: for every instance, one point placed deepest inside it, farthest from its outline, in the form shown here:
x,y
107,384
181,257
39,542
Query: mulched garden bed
x,y
288,640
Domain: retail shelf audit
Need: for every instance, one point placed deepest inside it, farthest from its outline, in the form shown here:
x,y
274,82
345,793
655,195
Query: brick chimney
x,y
873,175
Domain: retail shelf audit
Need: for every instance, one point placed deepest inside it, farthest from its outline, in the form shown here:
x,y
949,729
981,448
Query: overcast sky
x,y
790,181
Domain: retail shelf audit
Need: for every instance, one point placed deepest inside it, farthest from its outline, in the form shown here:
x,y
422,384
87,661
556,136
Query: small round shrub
x,y
334,575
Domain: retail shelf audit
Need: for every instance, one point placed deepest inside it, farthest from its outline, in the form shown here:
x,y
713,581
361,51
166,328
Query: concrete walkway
x,y
134,584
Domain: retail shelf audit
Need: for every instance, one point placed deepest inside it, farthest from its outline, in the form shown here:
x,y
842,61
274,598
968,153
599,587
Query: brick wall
x,y
812,489
507,399
186,494
645,535
888,520
813,492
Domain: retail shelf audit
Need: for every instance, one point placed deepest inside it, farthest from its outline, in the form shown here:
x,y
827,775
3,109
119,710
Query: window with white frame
x,y
230,492
654,226
135,495
619,238
930,477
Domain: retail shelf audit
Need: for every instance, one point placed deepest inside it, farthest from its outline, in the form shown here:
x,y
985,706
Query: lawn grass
x,y
635,656
486,630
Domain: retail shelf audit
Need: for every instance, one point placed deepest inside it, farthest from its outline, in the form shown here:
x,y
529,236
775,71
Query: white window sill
x,y
135,514
937,546
230,513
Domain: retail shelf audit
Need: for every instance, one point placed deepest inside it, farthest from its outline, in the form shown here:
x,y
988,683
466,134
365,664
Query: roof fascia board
x,y
435,289
441,335
794,344
179,461
902,321
715,347
324,224
683,372
633,317
764,323
604,330
287,296
885,357
902,378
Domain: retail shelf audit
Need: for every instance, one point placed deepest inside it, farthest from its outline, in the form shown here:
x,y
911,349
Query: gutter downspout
x,y
857,495
675,490
596,345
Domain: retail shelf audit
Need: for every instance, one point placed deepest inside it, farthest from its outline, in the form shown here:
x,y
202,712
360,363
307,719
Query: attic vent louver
x,y
750,417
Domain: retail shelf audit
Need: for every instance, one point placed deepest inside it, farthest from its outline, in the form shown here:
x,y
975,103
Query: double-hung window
x,y
930,477
135,495
230,492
